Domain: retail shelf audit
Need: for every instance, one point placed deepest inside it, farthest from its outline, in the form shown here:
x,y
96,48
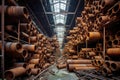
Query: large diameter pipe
x,y
72,66
20,65
94,35
115,66
30,47
113,51
90,54
13,47
116,8
15,11
81,61
107,3
106,70
12,73
104,19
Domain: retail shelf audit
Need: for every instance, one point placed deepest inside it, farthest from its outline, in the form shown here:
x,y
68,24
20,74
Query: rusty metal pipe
x,y
70,67
107,3
106,71
115,66
30,47
94,35
23,54
12,73
80,61
113,51
20,65
13,47
34,61
104,19
91,53
85,68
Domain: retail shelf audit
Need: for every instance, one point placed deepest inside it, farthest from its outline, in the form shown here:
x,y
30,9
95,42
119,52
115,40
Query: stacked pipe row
x,y
96,15
27,51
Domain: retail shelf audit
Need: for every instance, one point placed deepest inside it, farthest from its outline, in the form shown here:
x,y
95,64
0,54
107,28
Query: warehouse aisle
x,y
53,73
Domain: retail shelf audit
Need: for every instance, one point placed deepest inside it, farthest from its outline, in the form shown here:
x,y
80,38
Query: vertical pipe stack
x,y
27,51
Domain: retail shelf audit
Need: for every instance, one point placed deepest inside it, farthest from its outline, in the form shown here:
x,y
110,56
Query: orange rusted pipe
x,y
30,47
106,70
72,66
94,35
85,68
114,66
79,61
20,65
12,73
13,47
34,61
113,51
91,53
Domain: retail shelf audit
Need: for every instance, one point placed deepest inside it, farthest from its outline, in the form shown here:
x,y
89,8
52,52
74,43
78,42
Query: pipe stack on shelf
x,y
27,51
88,35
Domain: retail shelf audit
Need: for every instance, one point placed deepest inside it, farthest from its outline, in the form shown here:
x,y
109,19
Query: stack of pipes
x,y
27,51
96,15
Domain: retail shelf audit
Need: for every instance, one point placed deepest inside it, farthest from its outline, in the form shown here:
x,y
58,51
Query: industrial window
x,y
58,8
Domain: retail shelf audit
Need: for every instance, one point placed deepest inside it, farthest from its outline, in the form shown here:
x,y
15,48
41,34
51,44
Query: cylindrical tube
x,y
34,61
30,47
81,61
94,35
113,51
12,73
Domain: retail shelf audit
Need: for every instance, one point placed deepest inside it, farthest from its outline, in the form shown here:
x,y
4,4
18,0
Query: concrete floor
x,y
56,74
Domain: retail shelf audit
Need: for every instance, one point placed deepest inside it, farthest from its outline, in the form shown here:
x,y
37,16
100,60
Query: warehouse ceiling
x,y
54,17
